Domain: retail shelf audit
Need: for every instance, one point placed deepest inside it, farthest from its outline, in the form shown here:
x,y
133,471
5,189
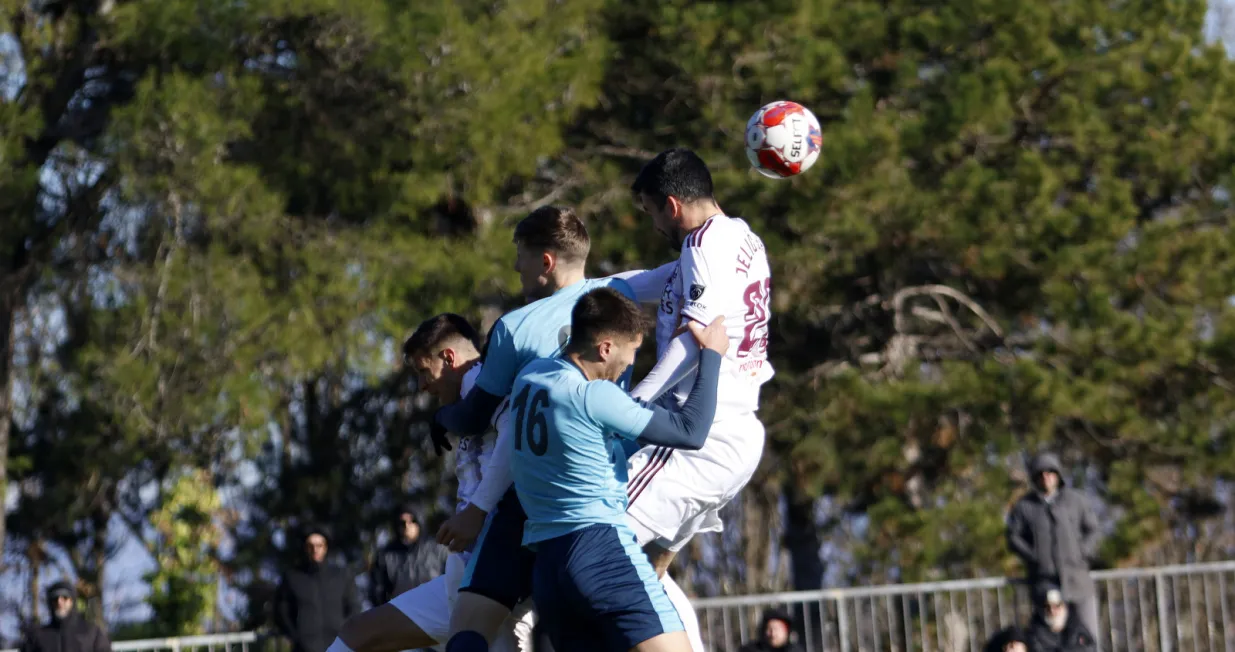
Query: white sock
x,y
339,646
690,620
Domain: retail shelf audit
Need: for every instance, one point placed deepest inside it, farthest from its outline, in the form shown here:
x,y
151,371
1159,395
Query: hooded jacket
x,y
71,634
1074,637
1056,538
402,566
762,645
1006,636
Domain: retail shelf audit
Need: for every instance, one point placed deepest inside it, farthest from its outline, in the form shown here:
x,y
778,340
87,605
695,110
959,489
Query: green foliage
x,y
1017,237
183,588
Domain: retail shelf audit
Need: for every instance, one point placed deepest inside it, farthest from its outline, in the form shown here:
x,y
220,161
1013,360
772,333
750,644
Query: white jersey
x,y
723,270
474,451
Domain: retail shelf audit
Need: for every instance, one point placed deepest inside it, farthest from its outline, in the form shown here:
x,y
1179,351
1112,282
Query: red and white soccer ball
x,y
783,139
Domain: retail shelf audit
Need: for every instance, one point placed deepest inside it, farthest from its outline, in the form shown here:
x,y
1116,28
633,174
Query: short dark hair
x,y
556,229
434,331
604,311
677,172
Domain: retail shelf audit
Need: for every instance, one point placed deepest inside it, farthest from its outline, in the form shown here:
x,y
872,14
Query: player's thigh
x,y
498,575
669,642
611,588
383,628
678,494
675,494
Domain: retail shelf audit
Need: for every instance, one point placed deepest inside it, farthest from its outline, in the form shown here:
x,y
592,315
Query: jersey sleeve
x,y
622,286
501,361
615,411
700,280
648,284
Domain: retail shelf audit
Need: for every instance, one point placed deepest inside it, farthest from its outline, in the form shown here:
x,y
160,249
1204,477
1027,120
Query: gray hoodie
x,y
1056,539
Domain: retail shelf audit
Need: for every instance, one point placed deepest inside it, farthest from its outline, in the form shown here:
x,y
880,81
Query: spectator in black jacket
x,y
1057,628
314,598
1011,639
68,630
407,562
775,633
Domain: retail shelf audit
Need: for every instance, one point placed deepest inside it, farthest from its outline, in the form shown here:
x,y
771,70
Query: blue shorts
x,y
500,568
595,590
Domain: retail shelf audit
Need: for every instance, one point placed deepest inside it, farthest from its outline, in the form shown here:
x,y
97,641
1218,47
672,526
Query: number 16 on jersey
x,y
530,421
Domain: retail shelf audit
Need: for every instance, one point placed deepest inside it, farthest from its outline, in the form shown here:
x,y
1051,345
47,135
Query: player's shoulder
x,y
719,233
511,320
602,392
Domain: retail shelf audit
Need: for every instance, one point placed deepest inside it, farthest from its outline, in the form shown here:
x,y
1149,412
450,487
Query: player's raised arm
x,y
681,356
648,285
686,427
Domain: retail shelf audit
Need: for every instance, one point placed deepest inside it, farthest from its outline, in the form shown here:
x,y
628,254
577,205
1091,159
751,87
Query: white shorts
x,y
430,605
674,494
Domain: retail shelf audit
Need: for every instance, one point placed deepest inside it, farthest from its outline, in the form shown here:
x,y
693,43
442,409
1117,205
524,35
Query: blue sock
x,y
468,641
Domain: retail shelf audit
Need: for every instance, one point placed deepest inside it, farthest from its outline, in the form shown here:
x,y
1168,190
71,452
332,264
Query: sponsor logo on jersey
x,y
696,291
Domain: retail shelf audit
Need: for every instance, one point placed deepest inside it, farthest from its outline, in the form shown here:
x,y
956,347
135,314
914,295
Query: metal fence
x,y
239,642
1166,609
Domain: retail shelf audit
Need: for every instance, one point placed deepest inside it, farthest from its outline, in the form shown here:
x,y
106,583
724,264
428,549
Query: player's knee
x,y
468,641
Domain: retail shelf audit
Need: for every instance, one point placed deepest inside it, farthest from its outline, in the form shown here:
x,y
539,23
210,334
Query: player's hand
x,y
460,531
441,442
712,336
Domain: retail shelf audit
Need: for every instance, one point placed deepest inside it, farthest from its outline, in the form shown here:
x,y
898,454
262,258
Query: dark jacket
x,y
311,604
403,566
1074,637
73,634
762,645
1005,636
1058,539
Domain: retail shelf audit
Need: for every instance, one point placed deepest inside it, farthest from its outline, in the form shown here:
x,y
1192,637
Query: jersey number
x,y
531,419
755,340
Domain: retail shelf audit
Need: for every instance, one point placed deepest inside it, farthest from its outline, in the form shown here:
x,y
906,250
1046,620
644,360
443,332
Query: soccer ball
x,y
783,139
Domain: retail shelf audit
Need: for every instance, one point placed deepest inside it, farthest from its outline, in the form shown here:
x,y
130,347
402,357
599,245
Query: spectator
x,y
1054,629
68,630
1011,639
1054,530
407,562
314,598
776,629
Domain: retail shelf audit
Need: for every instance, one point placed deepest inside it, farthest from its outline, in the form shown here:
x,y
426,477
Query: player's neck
x,y
699,215
566,278
591,370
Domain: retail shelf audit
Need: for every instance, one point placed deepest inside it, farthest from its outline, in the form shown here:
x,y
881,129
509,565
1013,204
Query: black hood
x,y
61,588
1046,462
775,614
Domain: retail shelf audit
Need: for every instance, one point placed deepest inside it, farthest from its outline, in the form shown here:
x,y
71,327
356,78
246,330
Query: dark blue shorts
x,y
595,590
500,568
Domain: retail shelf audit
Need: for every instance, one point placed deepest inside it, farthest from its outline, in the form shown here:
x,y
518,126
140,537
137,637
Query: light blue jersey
x,y
568,465
538,330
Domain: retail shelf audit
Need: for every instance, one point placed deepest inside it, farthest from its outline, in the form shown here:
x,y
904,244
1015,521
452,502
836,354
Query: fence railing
x,y
1165,609
238,642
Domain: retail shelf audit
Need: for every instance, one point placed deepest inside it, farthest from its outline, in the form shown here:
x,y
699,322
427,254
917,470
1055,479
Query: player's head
x,y
551,246
675,188
606,330
441,350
